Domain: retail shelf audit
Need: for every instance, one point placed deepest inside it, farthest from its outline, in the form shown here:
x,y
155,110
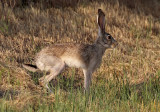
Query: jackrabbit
x,y
88,57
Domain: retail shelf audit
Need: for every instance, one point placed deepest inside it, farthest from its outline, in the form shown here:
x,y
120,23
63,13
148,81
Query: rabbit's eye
x,y
109,37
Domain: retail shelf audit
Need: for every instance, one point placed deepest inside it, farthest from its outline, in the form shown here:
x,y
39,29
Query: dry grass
x,y
19,90
24,31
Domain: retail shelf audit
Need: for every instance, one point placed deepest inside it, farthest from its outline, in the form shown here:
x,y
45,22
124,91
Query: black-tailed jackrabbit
x,y
88,57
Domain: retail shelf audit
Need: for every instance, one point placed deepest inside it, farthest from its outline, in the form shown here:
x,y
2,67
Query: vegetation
x,y
129,76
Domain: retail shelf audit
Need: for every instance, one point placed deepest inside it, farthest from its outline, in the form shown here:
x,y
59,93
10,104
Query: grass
x,y
129,76
107,95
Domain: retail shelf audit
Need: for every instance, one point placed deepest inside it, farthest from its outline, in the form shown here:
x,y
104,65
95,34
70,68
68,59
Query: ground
x,y
128,78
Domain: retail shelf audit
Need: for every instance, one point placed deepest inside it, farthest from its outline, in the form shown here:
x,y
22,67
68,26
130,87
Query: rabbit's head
x,y
104,38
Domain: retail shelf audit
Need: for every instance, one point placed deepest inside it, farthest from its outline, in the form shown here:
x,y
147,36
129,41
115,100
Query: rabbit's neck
x,y
100,48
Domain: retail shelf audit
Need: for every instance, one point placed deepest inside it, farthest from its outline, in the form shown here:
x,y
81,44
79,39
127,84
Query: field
x,y
128,78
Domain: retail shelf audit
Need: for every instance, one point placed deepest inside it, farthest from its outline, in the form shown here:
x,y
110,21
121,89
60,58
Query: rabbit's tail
x,y
30,67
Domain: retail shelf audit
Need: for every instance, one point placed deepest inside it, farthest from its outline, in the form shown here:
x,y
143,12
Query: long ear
x,y
101,21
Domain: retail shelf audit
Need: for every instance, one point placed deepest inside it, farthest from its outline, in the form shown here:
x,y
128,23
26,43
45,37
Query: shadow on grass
x,y
149,7
64,81
67,83
8,94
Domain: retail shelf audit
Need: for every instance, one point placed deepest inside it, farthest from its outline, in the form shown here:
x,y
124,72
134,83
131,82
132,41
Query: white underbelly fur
x,y
73,62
